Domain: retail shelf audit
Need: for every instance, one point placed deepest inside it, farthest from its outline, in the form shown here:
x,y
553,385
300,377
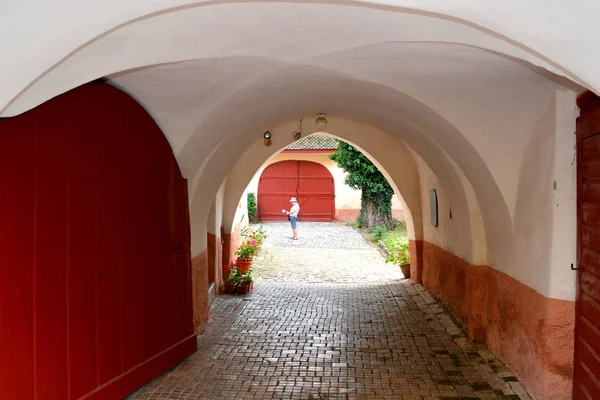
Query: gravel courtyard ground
x,y
325,252
330,320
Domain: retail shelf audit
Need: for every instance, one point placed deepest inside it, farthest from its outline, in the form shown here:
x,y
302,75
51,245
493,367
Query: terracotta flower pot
x,y
243,265
229,288
244,288
405,268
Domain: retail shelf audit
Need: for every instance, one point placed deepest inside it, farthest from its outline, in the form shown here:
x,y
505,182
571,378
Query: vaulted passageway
x,y
465,99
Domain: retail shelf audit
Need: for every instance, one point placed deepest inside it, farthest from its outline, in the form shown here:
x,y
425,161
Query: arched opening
x,y
403,179
460,284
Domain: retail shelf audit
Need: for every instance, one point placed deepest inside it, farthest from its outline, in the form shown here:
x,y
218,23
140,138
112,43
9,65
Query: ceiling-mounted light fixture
x,y
321,121
267,137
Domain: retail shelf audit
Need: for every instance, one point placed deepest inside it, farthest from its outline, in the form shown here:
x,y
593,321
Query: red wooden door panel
x,y
311,183
16,261
586,382
95,300
51,169
81,261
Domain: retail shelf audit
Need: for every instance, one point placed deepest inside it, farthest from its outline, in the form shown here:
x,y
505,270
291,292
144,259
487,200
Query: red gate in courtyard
x,y
310,182
95,284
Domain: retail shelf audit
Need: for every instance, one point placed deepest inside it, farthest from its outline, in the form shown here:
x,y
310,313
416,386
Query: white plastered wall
x,y
447,234
543,243
215,216
545,214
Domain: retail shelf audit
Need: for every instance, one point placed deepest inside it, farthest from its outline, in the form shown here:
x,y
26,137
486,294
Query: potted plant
x,y
245,254
245,285
258,236
232,282
227,270
400,255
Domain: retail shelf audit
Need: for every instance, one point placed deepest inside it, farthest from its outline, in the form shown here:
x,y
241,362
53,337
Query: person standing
x,y
293,216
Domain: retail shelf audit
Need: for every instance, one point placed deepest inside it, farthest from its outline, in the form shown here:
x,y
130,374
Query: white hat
x,y
294,200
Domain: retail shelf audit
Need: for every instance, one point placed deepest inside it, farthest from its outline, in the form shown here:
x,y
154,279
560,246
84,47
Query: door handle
x,y
179,248
573,268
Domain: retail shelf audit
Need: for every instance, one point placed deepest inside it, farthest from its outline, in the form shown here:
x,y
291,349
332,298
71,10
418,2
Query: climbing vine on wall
x,y
376,192
251,200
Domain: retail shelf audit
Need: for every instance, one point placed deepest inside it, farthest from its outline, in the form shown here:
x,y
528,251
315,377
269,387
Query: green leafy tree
x,y
376,192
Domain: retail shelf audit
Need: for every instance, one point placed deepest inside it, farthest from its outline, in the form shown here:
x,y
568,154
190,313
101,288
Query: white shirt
x,y
295,210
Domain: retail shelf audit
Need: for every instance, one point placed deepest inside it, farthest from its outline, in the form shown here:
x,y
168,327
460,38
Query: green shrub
x,y
399,225
358,223
251,205
378,232
400,254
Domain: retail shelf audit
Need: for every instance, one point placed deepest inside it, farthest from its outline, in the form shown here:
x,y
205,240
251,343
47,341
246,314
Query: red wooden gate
x,y
310,182
95,284
587,332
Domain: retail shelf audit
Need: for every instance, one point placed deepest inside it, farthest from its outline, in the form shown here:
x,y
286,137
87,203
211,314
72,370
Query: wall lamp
x,y
267,137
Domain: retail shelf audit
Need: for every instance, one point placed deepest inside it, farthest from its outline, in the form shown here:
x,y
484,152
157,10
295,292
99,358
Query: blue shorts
x,y
293,221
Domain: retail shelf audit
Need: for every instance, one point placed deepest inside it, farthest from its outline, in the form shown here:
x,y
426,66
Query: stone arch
x,y
520,36
441,146
403,178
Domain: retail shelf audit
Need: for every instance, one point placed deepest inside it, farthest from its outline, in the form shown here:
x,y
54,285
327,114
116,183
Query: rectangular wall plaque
x,y
433,206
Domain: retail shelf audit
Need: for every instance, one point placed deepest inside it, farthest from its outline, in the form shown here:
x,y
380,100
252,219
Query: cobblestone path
x,y
350,333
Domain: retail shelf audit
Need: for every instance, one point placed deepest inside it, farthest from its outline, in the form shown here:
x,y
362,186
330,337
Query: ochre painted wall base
x,y
201,306
531,333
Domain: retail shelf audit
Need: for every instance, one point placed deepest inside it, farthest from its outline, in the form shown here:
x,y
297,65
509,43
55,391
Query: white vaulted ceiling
x,y
52,50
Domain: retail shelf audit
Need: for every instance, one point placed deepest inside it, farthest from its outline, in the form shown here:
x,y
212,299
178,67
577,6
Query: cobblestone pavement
x,y
370,336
